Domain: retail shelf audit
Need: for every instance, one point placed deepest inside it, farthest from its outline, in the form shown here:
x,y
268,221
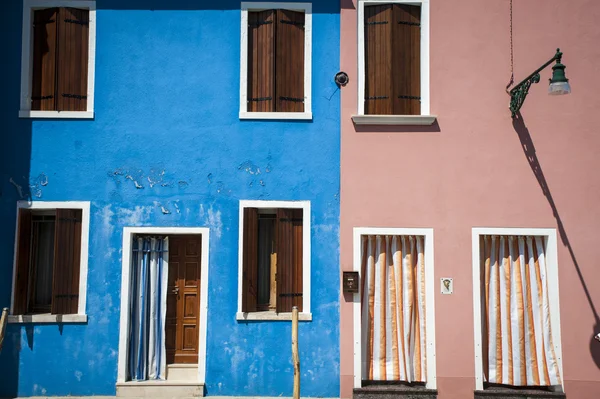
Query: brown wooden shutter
x,y
261,61
43,85
407,59
73,33
378,60
67,255
289,259
23,261
250,260
289,64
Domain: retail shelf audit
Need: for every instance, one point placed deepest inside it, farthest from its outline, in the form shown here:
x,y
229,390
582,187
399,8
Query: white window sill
x,y
394,120
47,318
258,316
277,115
57,114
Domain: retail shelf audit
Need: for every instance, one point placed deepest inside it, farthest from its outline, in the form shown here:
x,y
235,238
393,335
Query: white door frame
x,y
431,382
128,233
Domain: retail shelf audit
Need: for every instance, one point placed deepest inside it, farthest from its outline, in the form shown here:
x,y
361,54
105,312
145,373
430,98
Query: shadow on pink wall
x,y
530,154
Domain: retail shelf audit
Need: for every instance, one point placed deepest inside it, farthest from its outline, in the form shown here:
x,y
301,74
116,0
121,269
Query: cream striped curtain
x,y
393,308
520,349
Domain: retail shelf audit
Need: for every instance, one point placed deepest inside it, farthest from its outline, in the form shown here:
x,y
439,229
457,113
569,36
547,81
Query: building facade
x,y
472,231
170,189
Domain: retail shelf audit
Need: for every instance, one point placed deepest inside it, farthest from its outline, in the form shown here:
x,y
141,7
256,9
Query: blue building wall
x,y
166,106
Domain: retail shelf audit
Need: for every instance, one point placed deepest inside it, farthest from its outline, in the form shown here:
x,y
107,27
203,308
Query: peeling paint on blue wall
x,y
166,148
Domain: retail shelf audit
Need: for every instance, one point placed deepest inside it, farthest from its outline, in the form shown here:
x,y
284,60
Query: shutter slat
x,y
378,60
250,260
23,261
289,64
73,59
43,84
67,255
407,59
261,61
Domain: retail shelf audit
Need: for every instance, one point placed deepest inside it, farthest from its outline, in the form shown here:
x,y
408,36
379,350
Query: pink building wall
x,y
475,168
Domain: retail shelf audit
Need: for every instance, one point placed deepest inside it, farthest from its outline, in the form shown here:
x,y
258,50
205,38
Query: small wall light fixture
x,y
559,84
341,79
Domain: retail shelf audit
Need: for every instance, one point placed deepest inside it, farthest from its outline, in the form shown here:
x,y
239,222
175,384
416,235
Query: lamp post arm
x,y
520,91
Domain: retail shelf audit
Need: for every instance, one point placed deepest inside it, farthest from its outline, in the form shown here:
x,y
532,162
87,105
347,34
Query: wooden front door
x,y
183,299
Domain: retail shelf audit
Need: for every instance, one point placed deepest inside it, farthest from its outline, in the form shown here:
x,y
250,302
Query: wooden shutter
x,y
378,60
289,64
67,255
261,61
250,260
407,59
23,261
73,49
43,84
289,259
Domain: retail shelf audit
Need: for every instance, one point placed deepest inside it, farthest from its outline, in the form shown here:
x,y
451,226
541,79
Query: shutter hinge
x,y
410,97
74,21
260,99
296,100
409,23
292,294
377,98
41,98
376,23
75,220
259,23
292,23
75,96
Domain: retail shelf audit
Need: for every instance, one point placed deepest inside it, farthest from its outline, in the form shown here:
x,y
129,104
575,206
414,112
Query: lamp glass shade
x,y
559,88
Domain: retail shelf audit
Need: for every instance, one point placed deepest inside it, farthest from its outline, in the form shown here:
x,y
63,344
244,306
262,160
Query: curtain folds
x,y
149,271
393,308
517,328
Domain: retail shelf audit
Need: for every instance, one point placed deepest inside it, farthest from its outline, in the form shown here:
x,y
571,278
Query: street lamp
x,y
559,84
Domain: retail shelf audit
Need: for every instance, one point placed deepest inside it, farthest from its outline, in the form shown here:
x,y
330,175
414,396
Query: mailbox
x,y
350,282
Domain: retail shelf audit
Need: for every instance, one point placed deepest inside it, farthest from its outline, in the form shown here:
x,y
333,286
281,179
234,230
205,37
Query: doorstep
x,y
160,389
508,393
393,392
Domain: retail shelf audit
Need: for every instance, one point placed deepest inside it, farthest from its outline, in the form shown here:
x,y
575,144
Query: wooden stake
x,y
3,321
295,355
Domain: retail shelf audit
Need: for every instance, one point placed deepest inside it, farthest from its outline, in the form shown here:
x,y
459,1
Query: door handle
x,y
176,290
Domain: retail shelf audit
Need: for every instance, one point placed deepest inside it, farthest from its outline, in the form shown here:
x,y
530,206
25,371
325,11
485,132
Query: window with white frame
x,y
275,71
394,318
57,75
517,324
51,249
393,48
274,259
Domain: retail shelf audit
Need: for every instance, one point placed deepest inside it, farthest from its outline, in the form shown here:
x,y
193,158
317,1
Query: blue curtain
x,y
147,312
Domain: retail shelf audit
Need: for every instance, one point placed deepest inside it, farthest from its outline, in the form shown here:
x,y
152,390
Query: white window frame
x,y
81,316
306,8
551,256
425,118
306,314
431,382
29,6
128,234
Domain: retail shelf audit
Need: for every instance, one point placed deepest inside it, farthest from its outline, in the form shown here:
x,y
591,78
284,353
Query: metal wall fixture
x,y
559,84
341,79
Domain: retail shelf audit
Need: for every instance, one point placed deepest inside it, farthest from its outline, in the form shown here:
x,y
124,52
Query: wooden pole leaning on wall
x,y
3,322
295,355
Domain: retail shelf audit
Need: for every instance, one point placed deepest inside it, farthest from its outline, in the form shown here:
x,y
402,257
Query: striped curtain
x,y
148,306
520,349
393,308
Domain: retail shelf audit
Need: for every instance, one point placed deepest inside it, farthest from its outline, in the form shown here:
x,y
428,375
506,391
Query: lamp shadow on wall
x,y
530,154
